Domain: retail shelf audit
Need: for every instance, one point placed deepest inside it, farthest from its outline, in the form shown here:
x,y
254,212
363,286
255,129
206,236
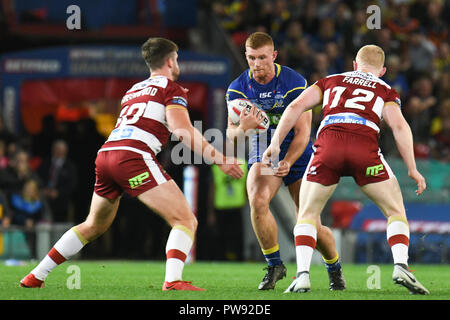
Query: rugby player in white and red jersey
x,y
353,105
151,111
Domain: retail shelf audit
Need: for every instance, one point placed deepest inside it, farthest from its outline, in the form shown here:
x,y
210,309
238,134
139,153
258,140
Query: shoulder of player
x,y
238,86
292,80
290,74
240,81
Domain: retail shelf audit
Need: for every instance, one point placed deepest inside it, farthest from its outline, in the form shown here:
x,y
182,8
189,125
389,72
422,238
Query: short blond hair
x,y
259,39
370,56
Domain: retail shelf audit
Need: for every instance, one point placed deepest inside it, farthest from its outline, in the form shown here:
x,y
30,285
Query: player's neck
x,y
161,72
368,70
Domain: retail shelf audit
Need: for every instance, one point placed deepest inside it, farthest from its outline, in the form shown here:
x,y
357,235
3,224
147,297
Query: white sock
x,y
66,247
305,241
397,233
178,246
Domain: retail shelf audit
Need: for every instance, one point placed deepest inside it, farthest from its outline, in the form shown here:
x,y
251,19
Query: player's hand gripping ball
x,y
236,106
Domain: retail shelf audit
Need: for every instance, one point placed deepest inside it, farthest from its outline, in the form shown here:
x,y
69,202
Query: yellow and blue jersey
x,y
272,98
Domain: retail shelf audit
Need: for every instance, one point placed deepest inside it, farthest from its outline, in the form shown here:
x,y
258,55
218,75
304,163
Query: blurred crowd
x,y
47,176
318,38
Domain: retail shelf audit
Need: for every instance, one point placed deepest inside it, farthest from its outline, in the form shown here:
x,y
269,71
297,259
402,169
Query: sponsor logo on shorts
x,y
374,170
138,180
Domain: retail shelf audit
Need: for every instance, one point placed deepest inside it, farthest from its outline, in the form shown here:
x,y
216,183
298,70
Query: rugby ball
x,y
236,106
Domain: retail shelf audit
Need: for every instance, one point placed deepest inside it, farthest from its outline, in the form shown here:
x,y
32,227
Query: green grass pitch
x,y
139,280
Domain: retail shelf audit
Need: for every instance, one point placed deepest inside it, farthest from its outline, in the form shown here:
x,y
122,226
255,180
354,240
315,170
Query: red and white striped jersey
x,y
142,121
354,101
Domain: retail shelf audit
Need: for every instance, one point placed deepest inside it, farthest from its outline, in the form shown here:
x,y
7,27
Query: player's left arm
x,y
401,130
307,100
302,133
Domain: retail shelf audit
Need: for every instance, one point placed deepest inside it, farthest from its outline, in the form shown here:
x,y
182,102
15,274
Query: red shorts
x,y
132,171
338,153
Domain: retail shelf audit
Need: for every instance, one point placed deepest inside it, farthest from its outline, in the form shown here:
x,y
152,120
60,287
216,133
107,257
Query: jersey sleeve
x,y
235,91
175,97
320,84
393,96
297,83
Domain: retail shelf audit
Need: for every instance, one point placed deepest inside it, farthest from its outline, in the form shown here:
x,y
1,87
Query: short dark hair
x,y
155,51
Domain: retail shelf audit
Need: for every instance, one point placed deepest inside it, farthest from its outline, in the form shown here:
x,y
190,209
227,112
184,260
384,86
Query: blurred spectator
x,y
394,77
384,39
359,31
335,58
321,65
440,131
295,51
441,61
420,109
421,53
42,142
327,33
280,21
309,19
59,173
402,24
435,26
27,209
18,171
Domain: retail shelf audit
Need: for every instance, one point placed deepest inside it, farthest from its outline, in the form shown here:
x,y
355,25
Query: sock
x,y
332,265
305,234
178,246
397,233
66,247
273,256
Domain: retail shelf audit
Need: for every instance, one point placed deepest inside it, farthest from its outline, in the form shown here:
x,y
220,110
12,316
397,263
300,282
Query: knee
x,y
259,202
189,222
91,231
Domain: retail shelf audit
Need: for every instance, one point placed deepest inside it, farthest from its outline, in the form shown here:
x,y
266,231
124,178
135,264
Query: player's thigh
x,y
313,198
387,196
169,202
261,184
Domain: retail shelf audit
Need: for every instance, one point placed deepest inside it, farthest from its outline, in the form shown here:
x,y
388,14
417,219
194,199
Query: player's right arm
x,y
181,126
237,132
247,121
307,100
393,116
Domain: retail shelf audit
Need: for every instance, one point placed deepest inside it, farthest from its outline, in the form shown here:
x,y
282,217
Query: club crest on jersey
x,y
179,100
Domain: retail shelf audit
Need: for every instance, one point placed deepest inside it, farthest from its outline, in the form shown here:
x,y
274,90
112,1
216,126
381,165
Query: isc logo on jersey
x,y
263,95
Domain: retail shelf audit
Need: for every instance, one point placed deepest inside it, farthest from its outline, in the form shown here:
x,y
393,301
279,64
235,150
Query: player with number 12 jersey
x,y
352,101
